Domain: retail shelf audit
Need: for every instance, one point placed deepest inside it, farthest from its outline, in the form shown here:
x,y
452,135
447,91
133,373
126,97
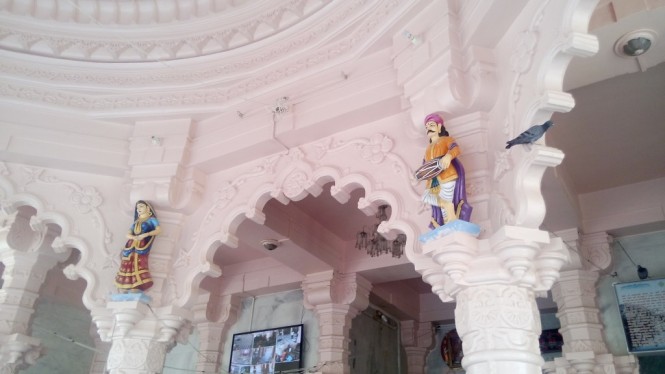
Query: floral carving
x,y
377,149
295,183
523,55
85,199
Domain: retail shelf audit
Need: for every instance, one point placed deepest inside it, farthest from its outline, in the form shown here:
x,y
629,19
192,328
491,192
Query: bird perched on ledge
x,y
531,135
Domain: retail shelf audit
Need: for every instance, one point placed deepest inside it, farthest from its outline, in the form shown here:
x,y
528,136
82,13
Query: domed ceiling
x,y
109,55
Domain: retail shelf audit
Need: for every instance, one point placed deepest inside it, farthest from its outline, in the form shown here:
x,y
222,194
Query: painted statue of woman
x,y
134,274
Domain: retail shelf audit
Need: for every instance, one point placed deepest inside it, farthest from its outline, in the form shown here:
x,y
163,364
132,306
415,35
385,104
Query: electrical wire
x,y
624,251
66,338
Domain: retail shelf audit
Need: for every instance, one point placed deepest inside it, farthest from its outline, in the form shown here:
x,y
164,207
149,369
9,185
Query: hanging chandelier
x,y
375,244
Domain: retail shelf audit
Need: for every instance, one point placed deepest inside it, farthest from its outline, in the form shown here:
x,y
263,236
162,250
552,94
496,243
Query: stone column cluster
x,y
335,299
584,349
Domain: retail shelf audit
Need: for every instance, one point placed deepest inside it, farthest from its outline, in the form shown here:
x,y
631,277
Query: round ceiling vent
x,y
635,43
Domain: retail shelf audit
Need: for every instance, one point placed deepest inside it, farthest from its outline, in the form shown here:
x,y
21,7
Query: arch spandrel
x,y
81,217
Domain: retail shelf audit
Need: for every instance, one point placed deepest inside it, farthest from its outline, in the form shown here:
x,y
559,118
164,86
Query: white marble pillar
x,y
140,335
417,338
584,349
495,281
335,299
224,311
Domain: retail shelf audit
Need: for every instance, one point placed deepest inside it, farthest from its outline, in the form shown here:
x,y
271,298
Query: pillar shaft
x,y
140,336
575,296
584,349
336,299
499,326
416,339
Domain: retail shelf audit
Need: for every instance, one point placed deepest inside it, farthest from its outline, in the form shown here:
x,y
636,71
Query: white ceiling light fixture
x,y
635,43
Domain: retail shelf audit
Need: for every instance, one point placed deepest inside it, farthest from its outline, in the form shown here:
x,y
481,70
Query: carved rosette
x,y
129,356
498,323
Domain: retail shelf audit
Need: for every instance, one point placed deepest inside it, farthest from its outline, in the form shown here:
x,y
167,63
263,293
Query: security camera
x,y
270,244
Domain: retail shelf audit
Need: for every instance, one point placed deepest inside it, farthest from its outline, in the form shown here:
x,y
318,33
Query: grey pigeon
x,y
531,135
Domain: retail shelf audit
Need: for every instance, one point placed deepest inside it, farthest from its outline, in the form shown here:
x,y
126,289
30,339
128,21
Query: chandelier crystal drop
x,y
375,244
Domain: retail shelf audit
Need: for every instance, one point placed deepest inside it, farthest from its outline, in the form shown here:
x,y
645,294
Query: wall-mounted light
x,y
642,272
270,244
156,140
635,43
414,39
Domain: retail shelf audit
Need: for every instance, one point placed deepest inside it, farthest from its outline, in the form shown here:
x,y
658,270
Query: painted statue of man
x,y
444,175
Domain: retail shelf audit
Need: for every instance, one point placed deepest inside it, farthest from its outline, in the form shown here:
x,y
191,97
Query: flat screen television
x,y
267,351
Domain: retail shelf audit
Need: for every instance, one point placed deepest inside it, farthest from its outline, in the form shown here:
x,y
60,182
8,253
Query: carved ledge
x,y
17,352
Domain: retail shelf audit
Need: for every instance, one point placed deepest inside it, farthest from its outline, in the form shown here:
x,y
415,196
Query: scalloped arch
x,y
267,191
62,242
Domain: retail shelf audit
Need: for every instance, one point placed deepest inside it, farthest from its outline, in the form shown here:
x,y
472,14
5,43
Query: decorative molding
x,y
596,248
73,201
511,256
85,200
221,30
228,191
376,149
141,355
135,100
498,323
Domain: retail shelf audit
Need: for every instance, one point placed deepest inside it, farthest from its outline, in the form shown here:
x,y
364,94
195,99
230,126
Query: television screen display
x,y
267,351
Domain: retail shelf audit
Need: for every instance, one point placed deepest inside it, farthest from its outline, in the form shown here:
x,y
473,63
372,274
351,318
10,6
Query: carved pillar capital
x,y
17,352
626,365
336,299
513,255
330,287
494,281
140,335
596,250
